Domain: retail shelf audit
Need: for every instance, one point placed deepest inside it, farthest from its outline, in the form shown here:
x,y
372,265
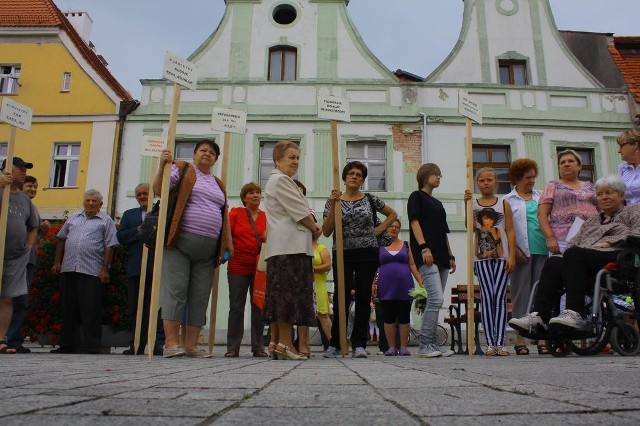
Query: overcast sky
x,y
414,35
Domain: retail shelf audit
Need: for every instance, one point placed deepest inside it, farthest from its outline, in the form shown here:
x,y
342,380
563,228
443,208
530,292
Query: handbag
x,y
262,262
384,239
259,289
149,227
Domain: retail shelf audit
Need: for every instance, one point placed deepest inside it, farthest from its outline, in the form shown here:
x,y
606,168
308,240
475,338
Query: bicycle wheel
x,y
442,336
625,339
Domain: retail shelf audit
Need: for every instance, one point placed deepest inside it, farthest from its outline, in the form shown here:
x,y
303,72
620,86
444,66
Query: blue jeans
x,y
15,336
435,280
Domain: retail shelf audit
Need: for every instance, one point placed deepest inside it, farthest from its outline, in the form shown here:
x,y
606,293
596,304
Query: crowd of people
x,y
559,236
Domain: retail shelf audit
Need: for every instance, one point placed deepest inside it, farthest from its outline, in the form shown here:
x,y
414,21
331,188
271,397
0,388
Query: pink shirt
x,y
566,205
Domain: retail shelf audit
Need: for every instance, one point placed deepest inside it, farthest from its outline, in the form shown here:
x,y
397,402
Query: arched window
x,y
283,62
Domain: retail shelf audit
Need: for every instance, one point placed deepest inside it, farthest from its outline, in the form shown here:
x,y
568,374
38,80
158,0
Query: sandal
x,y
491,351
521,349
543,350
501,351
6,349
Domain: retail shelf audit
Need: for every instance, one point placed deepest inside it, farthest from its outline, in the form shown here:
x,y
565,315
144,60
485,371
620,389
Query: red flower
x,y
55,297
52,337
115,317
115,308
57,327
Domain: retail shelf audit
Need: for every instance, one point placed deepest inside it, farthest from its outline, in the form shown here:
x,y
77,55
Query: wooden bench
x,y
458,316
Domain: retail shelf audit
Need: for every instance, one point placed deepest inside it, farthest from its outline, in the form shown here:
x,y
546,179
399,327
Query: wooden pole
x,y
470,252
162,220
216,274
6,193
339,243
143,268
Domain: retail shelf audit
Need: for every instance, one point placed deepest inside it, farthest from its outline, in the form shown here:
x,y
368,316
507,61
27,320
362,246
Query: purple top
x,y
567,204
395,279
203,212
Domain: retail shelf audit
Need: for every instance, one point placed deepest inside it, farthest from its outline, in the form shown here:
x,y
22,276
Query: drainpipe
x,y
126,108
424,137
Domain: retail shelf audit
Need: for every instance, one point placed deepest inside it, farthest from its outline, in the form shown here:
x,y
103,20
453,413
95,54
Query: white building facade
x,y
271,58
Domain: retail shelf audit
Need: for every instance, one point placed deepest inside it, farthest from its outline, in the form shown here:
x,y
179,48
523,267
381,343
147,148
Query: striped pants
x,y
493,278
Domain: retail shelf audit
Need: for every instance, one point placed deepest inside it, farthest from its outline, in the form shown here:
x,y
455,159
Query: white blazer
x,y
285,206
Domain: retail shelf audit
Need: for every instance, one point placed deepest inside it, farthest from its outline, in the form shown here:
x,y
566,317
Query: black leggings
x,y
396,310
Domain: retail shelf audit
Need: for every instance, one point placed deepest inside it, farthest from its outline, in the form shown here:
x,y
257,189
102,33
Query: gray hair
x,y
93,192
612,182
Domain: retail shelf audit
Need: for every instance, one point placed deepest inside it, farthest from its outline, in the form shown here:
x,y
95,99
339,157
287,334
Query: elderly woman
x,y
289,253
597,243
531,248
629,170
565,200
360,251
248,225
198,234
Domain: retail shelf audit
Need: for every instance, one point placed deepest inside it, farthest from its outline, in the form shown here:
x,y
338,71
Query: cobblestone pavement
x,y
46,389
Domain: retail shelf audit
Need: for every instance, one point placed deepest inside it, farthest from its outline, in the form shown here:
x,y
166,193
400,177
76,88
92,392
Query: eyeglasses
x,y
355,174
625,143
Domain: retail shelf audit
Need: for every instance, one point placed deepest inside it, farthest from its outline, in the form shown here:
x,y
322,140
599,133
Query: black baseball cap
x,y
18,162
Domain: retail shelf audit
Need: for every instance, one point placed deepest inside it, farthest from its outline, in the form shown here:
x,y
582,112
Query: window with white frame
x,y
266,161
283,63
184,150
372,154
65,165
66,82
9,75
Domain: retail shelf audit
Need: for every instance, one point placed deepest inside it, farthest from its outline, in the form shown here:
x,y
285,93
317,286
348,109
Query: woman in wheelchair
x,y
598,242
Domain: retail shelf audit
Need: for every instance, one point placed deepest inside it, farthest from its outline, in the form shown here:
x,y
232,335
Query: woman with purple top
x,y
629,149
394,283
197,237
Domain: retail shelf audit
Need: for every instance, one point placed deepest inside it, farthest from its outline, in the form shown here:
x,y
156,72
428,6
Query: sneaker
x,y
429,351
445,352
569,318
528,323
331,352
173,352
391,352
359,353
198,353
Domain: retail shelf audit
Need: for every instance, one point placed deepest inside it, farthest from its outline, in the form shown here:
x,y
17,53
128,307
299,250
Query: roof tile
x,y
626,54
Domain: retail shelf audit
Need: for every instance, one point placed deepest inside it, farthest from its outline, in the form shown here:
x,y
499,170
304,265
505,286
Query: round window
x,y
284,14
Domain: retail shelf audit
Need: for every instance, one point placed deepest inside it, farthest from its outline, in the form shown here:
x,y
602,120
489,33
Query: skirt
x,y
289,297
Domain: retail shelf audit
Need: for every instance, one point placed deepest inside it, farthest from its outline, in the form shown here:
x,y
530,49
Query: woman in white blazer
x,y
290,228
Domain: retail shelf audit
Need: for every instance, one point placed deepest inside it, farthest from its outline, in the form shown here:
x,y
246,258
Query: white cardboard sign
x,y
16,114
152,146
229,120
469,107
333,108
180,71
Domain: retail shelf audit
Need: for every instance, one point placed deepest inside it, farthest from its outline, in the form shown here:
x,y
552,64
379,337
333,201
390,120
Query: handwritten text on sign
x,y
180,71
229,120
469,107
16,114
333,108
152,146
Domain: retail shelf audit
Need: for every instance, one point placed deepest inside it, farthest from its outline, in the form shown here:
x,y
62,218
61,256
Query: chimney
x,y
82,23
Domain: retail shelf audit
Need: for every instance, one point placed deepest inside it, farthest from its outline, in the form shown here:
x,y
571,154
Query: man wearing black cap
x,y
22,230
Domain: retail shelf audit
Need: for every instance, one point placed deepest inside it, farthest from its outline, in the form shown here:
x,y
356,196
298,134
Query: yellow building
x,y
48,64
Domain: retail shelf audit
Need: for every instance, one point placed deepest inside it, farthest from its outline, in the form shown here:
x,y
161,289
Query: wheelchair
x,y
610,314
